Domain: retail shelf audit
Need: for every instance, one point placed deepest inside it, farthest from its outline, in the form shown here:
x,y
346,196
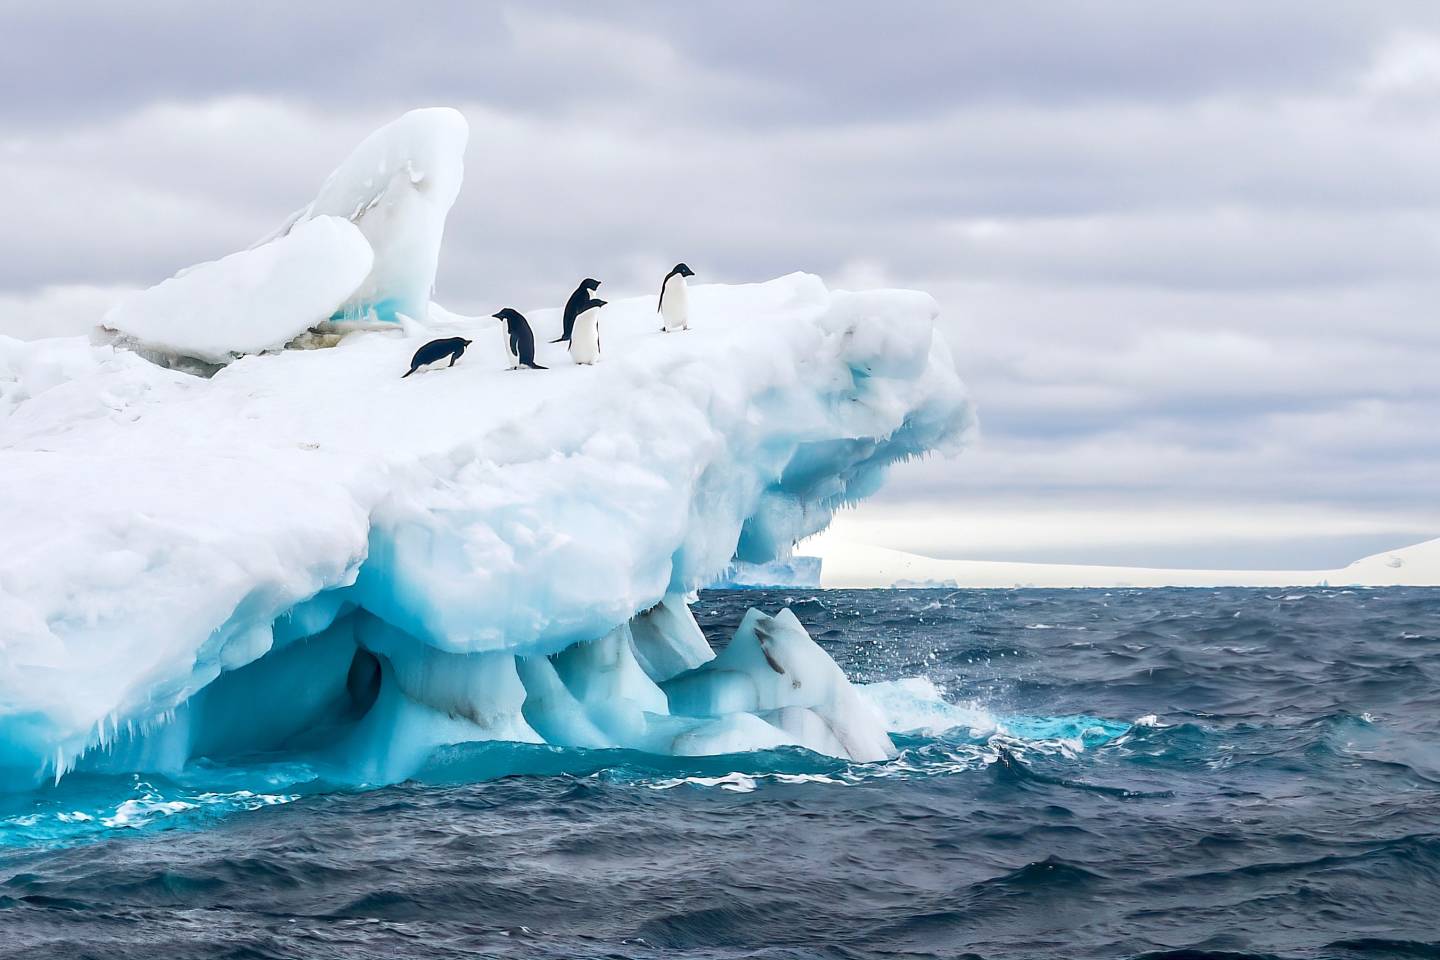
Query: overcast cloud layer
x,y
1188,255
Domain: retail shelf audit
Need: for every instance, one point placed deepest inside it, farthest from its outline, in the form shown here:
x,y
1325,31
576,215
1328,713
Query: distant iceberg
x,y
791,572
305,555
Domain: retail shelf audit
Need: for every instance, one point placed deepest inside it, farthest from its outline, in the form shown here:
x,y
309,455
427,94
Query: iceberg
x,y
792,572
305,556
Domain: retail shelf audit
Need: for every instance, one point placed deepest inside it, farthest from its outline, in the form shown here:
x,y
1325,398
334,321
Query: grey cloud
x,y
803,62
856,58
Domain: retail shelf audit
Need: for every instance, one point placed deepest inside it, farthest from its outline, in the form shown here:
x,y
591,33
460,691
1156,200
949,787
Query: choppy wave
x,y
1166,773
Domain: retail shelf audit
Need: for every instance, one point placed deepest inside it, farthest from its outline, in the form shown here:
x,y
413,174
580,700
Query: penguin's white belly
x,y
585,338
675,307
510,353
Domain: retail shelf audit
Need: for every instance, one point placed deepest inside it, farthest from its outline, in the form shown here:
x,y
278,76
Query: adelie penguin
x,y
674,308
519,339
585,341
574,305
437,350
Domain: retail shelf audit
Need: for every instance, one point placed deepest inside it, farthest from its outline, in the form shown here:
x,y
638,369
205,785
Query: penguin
x,y
519,340
674,306
437,350
585,343
574,305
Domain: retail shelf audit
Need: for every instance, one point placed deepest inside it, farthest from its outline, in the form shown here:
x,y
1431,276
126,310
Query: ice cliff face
x,y
305,554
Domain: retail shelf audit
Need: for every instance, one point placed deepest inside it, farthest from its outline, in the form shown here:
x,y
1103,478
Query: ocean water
x,y
1125,773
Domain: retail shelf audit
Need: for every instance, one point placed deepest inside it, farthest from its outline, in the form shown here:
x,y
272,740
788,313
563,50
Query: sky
x,y
1187,255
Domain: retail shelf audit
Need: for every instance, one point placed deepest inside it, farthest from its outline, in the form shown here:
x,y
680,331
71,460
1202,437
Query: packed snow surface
x,y
306,553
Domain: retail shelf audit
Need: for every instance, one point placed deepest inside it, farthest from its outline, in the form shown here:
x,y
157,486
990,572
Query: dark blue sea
x,y
1130,773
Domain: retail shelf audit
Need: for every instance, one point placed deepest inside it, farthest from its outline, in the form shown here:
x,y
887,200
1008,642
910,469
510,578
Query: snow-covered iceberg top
x,y
306,542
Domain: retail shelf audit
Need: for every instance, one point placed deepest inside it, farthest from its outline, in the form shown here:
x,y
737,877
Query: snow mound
x,y
307,554
365,249
397,186
256,300
1416,565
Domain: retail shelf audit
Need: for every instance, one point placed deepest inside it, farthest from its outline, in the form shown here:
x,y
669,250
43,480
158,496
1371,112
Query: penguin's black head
x,y
508,315
589,283
683,270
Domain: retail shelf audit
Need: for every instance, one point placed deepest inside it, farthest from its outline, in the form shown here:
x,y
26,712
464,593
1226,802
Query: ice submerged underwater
x,y
299,555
